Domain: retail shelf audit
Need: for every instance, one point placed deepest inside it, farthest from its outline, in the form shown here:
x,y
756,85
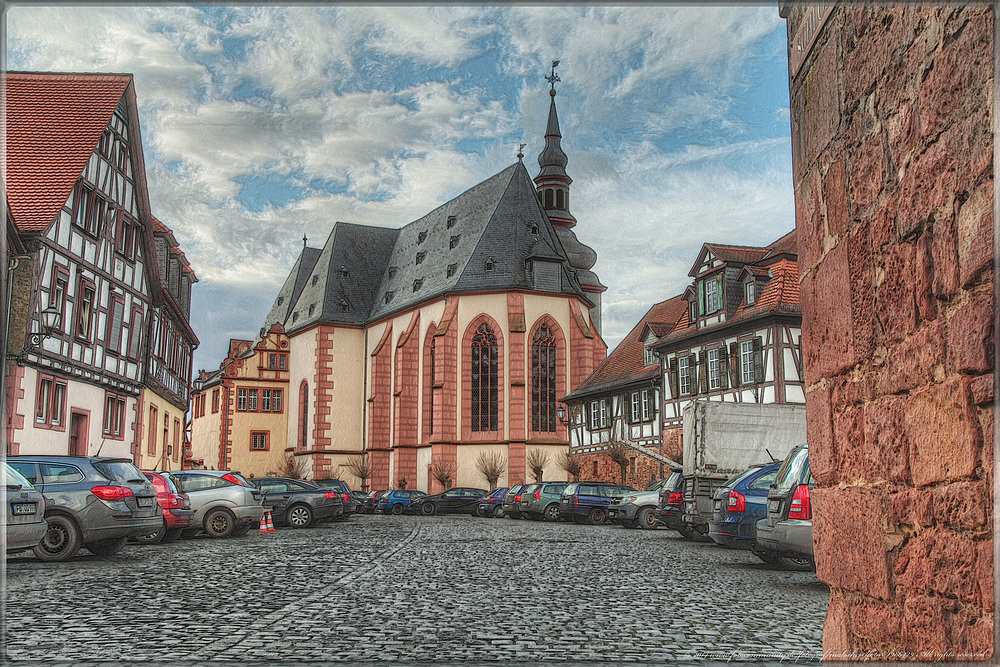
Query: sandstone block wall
x,y
892,133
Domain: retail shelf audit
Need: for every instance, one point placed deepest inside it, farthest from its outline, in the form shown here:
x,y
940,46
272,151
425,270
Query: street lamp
x,y
561,414
49,320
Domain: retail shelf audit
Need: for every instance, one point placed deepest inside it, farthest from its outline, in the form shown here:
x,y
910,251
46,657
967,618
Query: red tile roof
x,y
781,290
625,364
737,253
54,122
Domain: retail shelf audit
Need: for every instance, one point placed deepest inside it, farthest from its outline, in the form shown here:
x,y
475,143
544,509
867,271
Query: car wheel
x,y
239,531
61,541
596,516
428,509
106,547
498,513
153,538
646,519
397,509
795,563
551,512
299,516
171,535
514,515
219,523
629,524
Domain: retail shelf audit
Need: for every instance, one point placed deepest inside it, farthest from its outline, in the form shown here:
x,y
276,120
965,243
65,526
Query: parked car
x,y
492,505
511,502
26,524
397,500
637,510
299,504
670,510
461,500
541,501
369,504
785,534
347,496
94,502
739,504
176,507
225,503
588,501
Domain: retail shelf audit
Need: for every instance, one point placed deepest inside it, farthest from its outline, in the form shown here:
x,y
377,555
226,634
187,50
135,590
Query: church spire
x,y
552,181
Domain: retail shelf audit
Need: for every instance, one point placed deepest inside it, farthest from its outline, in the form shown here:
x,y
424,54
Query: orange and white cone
x,y
270,524
263,523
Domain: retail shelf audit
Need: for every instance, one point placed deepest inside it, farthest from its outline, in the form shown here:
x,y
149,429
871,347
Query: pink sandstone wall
x,y
893,171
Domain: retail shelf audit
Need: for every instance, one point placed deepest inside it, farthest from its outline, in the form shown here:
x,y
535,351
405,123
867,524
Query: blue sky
x,y
264,124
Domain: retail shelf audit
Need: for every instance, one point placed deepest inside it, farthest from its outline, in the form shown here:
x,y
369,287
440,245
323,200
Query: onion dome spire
x,y
552,181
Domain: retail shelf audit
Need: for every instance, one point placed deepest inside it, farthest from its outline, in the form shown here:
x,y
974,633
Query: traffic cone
x,y
270,524
263,523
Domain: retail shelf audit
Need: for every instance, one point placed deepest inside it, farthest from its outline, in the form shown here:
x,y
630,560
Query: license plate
x,y
24,508
144,501
772,505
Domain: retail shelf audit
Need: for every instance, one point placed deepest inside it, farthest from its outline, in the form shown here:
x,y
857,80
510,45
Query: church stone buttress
x,y
553,184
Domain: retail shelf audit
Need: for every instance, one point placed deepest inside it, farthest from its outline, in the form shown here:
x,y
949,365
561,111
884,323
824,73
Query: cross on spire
x,y
520,151
552,78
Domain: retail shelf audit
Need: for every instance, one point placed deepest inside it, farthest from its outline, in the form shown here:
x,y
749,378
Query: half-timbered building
x,y
426,348
77,193
615,413
739,337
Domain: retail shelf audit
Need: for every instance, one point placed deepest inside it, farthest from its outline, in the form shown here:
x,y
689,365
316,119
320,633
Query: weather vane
x,y
552,78
520,151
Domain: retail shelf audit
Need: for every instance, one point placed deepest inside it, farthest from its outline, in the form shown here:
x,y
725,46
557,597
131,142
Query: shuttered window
x,y
115,321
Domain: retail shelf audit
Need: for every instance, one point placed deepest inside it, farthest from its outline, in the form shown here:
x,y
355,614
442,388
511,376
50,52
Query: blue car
x,y
587,502
739,503
394,502
492,505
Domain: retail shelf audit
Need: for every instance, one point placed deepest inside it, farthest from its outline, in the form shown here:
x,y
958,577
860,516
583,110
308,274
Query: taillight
x,y
538,494
737,503
800,509
176,500
330,495
576,501
347,497
675,499
112,492
229,477
517,498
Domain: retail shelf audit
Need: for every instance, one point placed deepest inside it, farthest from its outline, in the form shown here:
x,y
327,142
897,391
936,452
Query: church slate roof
x,y
479,241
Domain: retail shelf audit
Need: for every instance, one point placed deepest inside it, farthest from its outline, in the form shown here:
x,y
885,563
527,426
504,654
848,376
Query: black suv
x,y
97,503
347,496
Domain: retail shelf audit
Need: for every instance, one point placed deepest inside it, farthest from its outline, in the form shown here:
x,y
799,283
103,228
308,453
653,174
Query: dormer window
x,y
344,273
693,311
344,306
454,242
452,268
295,316
417,284
751,293
451,221
490,264
315,279
392,272
312,308
712,295
534,229
280,300
649,358
421,237
388,296
420,257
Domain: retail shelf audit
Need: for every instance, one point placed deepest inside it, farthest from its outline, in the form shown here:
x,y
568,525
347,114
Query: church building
x,y
421,351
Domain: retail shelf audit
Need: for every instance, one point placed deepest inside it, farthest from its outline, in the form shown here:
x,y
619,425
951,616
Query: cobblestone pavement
x,y
414,589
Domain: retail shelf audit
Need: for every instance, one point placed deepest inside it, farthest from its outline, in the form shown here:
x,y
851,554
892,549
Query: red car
x,y
177,512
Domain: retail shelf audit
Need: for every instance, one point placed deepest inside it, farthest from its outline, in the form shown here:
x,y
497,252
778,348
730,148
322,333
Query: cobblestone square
x,y
416,589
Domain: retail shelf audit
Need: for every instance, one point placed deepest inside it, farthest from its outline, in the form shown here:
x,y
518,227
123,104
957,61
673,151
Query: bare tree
x,y
618,453
491,465
357,465
297,467
443,472
535,460
571,464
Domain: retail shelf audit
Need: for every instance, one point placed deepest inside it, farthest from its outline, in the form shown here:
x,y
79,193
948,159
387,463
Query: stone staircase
x,y
656,456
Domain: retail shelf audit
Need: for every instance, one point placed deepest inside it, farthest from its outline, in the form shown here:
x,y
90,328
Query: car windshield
x,y
657,485
12,479
120,471
793,469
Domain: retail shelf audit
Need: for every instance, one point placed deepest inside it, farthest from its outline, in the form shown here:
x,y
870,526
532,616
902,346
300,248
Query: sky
x,y
264,124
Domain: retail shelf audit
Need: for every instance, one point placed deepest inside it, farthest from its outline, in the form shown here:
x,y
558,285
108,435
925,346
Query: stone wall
x,y
892,117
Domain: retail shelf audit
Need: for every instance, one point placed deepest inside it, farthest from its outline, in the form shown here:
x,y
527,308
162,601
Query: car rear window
x,y
792,469
763,482
674,480
570,489
26,468
189,483
119,471
12,478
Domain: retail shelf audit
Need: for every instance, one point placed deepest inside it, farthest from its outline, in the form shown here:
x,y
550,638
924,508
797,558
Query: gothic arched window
x,y
543,380
484,379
